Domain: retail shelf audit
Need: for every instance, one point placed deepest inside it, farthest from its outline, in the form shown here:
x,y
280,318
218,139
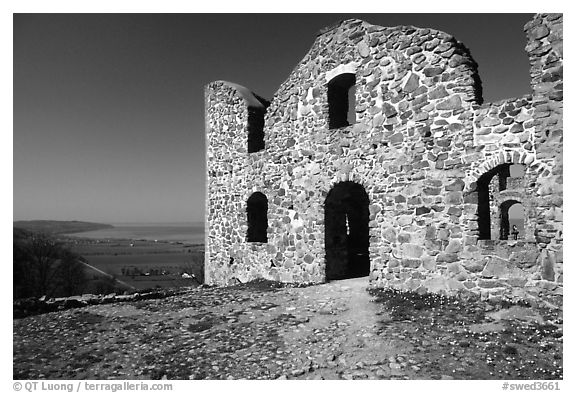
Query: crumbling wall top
x,y
251,99
421,50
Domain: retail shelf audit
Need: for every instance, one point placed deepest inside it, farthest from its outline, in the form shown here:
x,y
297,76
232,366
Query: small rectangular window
x,y
342,101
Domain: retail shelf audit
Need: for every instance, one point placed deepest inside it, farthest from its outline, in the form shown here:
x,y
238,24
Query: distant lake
x,y
191,233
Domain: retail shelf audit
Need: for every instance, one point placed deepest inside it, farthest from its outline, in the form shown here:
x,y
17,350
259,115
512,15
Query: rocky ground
x,y
268,331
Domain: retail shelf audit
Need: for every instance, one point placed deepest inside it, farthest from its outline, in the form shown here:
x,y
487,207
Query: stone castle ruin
x,y
377,157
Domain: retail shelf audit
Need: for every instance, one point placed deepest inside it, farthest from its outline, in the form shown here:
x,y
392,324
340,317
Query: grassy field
x,y
141,264
88,247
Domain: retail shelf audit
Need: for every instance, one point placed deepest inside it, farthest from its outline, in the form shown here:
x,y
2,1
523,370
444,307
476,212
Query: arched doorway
x,y
347,237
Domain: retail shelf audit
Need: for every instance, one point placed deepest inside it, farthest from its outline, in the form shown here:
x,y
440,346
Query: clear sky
x,y
109,109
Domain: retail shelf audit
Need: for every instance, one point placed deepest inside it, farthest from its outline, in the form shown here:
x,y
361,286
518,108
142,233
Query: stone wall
x,y
420,142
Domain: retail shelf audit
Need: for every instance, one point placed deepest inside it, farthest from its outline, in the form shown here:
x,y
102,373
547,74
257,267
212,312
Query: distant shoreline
x,y
159,224
55,227
184,234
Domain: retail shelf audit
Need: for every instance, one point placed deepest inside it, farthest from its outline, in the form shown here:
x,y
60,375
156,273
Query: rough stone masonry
x,y
377,157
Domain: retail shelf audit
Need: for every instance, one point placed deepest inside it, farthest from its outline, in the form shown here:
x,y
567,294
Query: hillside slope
x,y
59,227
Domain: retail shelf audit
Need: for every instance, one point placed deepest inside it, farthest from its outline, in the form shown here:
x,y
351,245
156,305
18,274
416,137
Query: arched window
x,y
489,185
511,220
257,212
342,100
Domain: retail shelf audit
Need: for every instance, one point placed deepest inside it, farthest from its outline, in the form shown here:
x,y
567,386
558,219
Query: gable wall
x,y
421,141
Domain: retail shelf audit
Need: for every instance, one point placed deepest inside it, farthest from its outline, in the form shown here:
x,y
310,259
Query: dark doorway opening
x,y
347,237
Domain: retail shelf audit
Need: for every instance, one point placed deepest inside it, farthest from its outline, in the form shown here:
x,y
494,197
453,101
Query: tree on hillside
x,y
70,277
22,287
43,266
43,254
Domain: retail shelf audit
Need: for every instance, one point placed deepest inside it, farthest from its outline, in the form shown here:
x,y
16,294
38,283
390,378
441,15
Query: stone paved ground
x,y
332,331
